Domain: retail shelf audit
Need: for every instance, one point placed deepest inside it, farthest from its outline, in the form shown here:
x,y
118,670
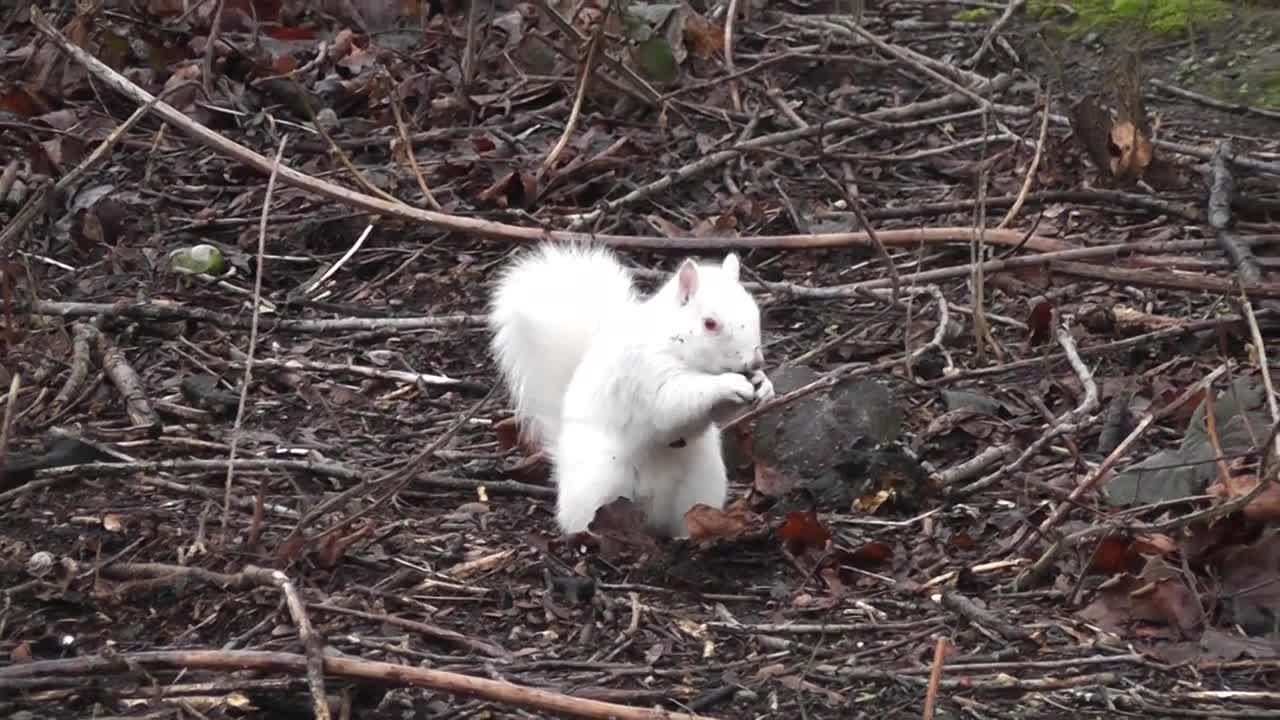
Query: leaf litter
x,y
815,592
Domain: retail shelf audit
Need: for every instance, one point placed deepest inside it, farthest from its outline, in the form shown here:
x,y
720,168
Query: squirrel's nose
x,y
756,362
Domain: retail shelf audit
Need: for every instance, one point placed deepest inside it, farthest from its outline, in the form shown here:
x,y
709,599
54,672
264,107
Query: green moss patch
x,y
975,15
1233,48
1167,18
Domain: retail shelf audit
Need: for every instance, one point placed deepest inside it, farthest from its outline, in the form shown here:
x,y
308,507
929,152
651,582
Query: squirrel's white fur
x,y
622,391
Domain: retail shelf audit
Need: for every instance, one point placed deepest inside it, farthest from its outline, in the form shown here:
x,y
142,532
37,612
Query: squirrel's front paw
x,y
736,388
763,386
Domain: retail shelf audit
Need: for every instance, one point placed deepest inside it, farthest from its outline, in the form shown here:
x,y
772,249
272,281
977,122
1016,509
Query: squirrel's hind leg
x,y
704,481
589,471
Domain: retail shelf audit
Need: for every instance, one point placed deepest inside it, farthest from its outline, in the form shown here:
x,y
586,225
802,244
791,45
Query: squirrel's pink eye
x,y
710,324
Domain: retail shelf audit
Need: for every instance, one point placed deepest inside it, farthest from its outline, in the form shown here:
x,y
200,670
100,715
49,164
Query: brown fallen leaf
x,y
702,37
1038,321
1114,554
869,555
706,523
21,653
1263,508
622,529
1165,599
804,531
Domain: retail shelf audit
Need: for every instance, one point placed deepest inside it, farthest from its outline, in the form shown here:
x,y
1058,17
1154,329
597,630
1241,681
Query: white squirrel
x,y
624,392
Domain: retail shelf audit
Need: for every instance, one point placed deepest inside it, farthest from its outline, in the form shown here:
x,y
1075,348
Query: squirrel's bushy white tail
x,y
546,307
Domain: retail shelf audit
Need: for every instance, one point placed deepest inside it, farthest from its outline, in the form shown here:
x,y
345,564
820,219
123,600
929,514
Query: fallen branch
x,y
127,381
169,312
1167,280
326,469
1221,188
339,667
435,632
81,356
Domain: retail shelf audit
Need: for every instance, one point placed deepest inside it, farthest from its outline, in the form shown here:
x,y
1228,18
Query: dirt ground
x,y
409,537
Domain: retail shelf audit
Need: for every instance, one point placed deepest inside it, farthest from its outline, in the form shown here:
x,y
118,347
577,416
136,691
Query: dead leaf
x,y
803,531
622,529
507,430
702,37
21,653
1114,555
1039,321
706,523
535,468
1263,508
22,102
869,555
1165,598
1219,644
513,190
1250,576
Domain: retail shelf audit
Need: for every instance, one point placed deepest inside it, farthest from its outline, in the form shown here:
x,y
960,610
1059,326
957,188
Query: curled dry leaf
x,y
1039,321
706,523
514,190
1159,598
621,527
703,38
507,431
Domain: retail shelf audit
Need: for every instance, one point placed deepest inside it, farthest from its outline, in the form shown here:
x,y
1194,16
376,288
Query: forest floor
x,y
308,505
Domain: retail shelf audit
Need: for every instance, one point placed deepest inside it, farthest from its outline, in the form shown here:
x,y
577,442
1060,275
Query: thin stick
x,y
394,101
977,254
575,114
394,481
14,386
206,71
355,247
855,205
253,342
1031,171
730,16
312,643
1012,8
1255,334
935,678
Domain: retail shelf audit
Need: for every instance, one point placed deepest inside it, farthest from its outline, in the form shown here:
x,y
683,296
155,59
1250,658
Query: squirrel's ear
x,y
731,266
686,281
